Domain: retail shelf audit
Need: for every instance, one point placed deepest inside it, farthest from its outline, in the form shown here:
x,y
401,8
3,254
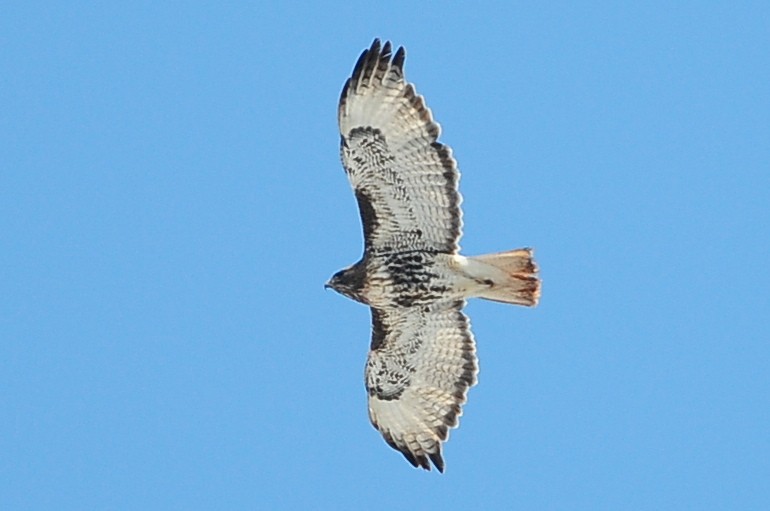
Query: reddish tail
x,y
511,277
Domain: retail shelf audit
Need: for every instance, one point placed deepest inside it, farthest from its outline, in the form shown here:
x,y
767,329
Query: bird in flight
x,y
422,358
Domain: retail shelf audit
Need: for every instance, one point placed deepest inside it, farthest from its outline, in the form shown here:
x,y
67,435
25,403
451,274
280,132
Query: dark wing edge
x,y
374,62
383,120
420,368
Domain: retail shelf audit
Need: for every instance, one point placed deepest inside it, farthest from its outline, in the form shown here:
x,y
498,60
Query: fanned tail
x,y
508,277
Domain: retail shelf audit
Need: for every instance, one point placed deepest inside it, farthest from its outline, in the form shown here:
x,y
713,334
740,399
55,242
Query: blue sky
x,y
172,202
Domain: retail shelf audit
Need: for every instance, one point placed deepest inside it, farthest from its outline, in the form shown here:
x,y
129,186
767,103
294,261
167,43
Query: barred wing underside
x,y
404,180
421,364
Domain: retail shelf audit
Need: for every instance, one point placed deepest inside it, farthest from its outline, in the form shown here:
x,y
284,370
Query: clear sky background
x,y
172,202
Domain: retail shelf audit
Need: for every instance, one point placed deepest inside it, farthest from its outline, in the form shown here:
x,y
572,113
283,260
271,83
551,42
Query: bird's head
x,y
348,282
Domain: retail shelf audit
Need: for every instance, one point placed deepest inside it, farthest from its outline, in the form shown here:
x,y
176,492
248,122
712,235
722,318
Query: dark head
x,y
349,282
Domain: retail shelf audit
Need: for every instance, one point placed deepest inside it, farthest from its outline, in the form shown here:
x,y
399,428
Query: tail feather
x,y
508,277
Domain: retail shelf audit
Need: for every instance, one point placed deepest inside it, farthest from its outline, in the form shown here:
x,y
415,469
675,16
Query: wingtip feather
x,y
438,461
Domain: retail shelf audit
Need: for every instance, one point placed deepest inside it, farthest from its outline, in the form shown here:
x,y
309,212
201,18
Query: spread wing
x,y
404,180
421,364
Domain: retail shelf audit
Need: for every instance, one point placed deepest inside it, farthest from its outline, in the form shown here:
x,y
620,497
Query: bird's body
x,y
422,358
403,279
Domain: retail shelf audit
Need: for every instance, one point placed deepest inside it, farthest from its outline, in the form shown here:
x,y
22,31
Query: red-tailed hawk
x,y
423,357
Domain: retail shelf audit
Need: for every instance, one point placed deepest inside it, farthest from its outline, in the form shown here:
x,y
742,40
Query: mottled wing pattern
x,y
421,364
404,180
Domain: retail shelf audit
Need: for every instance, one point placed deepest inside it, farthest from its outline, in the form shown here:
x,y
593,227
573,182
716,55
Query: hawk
x,y
422,358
